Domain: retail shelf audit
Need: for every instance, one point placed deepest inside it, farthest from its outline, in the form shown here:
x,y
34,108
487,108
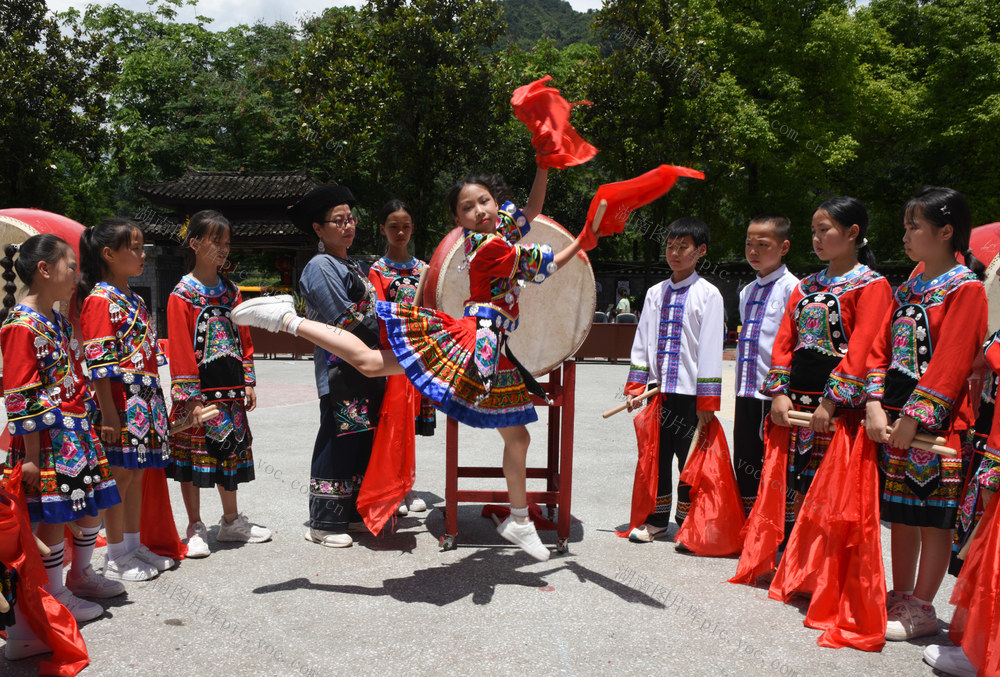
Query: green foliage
x,y
529,21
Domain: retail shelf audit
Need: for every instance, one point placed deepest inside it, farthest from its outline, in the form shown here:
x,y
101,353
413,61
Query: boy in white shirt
x,y
762,304
678,347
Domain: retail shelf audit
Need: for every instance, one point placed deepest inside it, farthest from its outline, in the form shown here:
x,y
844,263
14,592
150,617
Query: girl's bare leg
x,y
905,548
515,457
350,348
935,555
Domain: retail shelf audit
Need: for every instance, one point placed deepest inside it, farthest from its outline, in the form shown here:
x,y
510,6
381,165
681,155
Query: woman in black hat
x,y
338,293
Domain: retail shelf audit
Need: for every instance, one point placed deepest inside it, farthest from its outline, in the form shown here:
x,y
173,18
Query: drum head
x,y
555,316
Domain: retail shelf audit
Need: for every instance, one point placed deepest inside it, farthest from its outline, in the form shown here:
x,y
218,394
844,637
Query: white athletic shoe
x,y
415,503
92,584
265,312
950,660
646,533
525,537
24,648
240,530
329,538
197,542
81,609
130,568
161,562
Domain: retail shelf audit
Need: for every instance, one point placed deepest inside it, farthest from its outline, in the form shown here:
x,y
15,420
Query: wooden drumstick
x,y
622,407
43,549
208,413
74,529
696,438
602,206
921,441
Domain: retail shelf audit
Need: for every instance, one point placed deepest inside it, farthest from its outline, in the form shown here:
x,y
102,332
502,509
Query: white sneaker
x,y
240,530
81,609
646,533
24,648
264,312
197,542
402,509
950,660
329,538
415,503
908,620
144,554
525,537
92,584
129,568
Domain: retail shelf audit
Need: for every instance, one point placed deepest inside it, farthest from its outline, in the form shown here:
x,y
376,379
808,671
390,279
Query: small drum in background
x,y
555,316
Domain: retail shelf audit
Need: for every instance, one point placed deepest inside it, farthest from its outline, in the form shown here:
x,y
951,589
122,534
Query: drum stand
x,y
558,473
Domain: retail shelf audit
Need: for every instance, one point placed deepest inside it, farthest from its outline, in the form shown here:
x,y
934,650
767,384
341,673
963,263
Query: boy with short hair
x,y
678,347
762,304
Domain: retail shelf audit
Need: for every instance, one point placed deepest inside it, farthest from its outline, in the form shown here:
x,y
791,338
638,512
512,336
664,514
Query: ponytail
x,y
974,264
865,254
946,206
848,211
9,287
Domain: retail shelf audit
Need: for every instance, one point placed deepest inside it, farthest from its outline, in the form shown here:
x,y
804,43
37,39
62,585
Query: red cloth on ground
x,y
975,625
765,528
534,512
389,476
545,113
157,530
835,550
48,619
713,526
647,469
625,196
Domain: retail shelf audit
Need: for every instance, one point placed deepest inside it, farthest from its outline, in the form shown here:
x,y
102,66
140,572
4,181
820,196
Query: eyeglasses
x,y
342,223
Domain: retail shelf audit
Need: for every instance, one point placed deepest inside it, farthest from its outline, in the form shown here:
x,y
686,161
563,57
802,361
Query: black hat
x,y
313,207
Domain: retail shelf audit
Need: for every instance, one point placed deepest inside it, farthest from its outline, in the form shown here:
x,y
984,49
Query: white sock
x,y
903,592
131,541
520,515
291,324
20,629
923,602
83,549
54,569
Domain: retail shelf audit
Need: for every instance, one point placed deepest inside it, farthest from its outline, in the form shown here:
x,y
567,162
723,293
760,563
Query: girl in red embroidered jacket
x,y
211,363
917,379
818,359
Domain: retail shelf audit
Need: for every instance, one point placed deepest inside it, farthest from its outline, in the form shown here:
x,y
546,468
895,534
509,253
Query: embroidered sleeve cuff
x,y
249,376
709,387
183,389
635,384
776,382
102,358
932,410
536,263
30,410
845,391
988,475
875,384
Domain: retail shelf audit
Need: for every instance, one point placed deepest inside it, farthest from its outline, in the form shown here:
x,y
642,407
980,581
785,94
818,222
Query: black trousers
x,y
678,421
748,447
339,463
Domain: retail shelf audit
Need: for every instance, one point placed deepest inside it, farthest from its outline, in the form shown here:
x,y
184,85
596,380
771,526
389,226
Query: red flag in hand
x,y
625,196
714,523
647,469
545,113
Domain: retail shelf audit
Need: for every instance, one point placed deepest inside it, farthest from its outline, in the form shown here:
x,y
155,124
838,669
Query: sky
x,y
229,13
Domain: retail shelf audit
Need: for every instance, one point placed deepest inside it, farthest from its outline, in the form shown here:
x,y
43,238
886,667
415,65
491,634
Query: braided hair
x,y
29,254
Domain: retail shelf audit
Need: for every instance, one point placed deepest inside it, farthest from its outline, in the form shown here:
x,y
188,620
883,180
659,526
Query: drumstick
x,y
75,529
807,417
602,206
418,299
963,553
621,407
696,438
209,412
923,442
43,549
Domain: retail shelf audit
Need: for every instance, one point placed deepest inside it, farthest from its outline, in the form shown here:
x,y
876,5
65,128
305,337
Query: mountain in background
x,y
530,20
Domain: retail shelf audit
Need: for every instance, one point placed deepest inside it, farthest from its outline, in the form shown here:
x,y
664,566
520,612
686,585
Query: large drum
x,y
555,316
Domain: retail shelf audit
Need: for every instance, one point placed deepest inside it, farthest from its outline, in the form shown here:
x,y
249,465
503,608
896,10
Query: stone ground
x,y
398,605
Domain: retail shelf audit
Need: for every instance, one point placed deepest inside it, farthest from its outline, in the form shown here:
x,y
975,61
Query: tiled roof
x,y
171,228
229,187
